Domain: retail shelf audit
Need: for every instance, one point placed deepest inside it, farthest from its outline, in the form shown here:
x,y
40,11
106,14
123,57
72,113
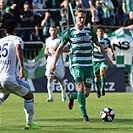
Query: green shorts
x,y
83,74
97,66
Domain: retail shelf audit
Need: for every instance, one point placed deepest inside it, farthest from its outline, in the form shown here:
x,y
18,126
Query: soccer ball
x,y
107,114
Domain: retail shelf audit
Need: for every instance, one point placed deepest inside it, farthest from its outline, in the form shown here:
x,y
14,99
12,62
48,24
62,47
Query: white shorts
x,y
59,71
18,87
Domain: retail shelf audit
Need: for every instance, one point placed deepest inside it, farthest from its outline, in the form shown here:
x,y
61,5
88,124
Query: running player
x,y
99,63
52,44
10,82
80,38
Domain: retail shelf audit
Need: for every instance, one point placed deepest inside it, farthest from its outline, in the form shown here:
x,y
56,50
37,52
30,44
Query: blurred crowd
x,y
34,17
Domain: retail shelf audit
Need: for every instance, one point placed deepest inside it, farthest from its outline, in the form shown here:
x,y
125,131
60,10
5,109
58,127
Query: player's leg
x,y
50,88
103,77
103,69
63,89
22,89
82,101
88,78
98,85
78,75
50,83
96,72
72,95
25,92
60,73
4,93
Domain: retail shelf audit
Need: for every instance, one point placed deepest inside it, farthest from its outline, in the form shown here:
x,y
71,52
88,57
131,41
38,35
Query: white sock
x,y
29,111
50,86
63,90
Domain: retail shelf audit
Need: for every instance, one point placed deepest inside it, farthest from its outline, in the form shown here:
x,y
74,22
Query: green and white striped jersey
x,y
81,45
97,56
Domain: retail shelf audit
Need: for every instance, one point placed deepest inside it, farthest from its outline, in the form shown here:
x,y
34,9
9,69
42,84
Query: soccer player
x,y
80,38
10,82
99,62
52,44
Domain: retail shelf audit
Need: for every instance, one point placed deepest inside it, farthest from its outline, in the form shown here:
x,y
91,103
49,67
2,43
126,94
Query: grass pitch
x,y
56,118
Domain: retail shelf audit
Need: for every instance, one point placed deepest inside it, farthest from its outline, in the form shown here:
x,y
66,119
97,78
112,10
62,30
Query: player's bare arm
x,y
46,51
102,51
65,49
112,52
57,54
19,53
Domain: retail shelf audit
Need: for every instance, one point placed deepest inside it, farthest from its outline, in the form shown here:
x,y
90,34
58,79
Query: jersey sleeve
x,y
94,37
18,40
65,37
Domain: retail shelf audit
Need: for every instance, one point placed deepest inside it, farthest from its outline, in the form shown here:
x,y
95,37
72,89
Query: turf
x,y
56,118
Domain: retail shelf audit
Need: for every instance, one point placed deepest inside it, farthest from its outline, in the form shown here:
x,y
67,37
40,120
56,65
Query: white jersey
x,y
8,58
60,70
50,43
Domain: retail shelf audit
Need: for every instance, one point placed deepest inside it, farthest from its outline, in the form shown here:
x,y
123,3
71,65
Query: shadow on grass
x,y
120,121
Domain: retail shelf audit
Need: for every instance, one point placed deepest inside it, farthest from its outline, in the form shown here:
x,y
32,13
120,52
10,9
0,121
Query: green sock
x,y
73,95
102,82
97,84
81,103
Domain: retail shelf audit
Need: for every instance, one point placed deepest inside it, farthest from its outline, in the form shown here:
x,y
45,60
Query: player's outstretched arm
x,y
19,53
57,54
111,52
102,51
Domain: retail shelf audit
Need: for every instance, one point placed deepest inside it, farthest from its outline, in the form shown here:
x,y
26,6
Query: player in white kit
x,y
52,44
10,82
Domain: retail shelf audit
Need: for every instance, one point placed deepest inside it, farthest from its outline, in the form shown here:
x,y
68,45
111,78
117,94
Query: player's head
x,y
53,31
80,16
100,32
10,26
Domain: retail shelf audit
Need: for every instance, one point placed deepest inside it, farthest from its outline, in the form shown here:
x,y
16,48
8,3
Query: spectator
x,y
78,4
46,23
127,6
26,21
14,11
29,1
7,15
63,13
119,14
88,4
97,15
38,17
54,4
108,8
128,23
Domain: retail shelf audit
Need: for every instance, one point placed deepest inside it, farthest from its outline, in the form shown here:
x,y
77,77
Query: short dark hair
x,y
53,26
10,25
101,28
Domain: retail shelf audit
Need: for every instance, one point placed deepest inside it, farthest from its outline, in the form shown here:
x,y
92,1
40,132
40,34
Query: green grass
x,y
56,118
